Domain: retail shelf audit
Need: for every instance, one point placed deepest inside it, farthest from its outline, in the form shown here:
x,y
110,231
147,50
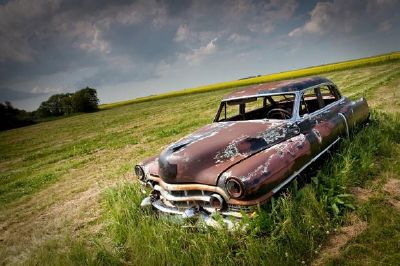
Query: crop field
x,y
315,70
68,195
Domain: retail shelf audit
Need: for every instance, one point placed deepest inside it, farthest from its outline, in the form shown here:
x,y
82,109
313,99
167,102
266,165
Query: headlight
x,y
234,187
139,172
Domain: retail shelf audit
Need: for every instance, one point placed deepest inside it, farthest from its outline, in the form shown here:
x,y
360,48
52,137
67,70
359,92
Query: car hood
x,y
204,155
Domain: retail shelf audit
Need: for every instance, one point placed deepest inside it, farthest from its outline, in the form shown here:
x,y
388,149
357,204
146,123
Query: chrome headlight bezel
x,y
139,172
234,187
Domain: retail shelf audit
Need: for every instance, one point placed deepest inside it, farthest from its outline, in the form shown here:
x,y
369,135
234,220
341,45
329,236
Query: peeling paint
x,y
260,153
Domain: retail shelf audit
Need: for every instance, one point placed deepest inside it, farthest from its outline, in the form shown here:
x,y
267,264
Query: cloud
x,y
162,68
385,26
182,33
94,42
19,23
238,38
74,43
198,55
26,24
346,17
48,90
7,94
325,17
271,13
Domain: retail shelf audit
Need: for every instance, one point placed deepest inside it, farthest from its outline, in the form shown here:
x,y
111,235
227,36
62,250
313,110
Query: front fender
x,y
264,171
150,166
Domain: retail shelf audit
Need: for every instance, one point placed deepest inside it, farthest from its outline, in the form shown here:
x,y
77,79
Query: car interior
x,y
317,98
276,106
265,107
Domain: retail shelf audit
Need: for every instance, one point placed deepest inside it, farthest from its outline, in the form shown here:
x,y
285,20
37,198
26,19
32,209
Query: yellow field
x,y
271,77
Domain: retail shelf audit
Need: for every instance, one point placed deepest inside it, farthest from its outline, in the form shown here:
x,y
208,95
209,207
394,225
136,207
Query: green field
x,y
68,196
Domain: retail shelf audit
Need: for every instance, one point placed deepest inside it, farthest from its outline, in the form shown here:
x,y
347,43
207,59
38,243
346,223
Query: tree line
x,y
62,104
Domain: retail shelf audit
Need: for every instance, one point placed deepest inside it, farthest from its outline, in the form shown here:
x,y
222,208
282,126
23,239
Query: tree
x,y
85,100
11,117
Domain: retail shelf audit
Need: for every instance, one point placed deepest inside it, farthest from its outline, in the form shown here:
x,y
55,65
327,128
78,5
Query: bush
x,y
84,100
11,117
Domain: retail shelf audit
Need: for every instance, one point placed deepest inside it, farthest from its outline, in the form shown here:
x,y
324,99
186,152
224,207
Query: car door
x,y
332,123
319,120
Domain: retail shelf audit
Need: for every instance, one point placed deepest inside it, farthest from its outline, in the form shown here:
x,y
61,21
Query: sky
x,y
129,49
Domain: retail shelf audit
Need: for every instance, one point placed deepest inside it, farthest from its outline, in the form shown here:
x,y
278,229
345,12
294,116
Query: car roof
x,y
282,86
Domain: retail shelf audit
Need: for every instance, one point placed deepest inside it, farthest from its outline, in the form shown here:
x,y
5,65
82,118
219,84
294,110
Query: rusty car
x,y
262,137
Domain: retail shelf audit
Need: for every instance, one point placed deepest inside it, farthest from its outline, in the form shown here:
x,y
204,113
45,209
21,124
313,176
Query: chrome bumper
x,y
191,201
195,212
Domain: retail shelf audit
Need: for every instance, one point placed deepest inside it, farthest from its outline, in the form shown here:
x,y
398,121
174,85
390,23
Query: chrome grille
x,y
239,208
183,199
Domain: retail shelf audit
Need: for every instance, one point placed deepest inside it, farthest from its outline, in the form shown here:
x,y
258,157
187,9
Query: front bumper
x,y
194,212
190,201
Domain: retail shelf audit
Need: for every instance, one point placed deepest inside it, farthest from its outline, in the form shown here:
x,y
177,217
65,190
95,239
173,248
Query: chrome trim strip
x,y
324,109
296,173
233,214
258,95
347,125
159,205
183,187
170,197
278,93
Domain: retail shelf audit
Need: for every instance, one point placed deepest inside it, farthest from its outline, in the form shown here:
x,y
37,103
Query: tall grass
x,y
289,230
316,70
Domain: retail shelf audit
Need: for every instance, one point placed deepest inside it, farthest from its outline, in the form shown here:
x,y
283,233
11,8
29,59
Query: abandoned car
x,y
262,137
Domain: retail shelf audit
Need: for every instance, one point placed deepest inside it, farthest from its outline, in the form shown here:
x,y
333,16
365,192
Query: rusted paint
x,y
277,87
261,154
203,159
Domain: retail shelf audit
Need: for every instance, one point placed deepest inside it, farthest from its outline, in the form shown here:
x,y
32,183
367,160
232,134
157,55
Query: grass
x,y
67,194
382,237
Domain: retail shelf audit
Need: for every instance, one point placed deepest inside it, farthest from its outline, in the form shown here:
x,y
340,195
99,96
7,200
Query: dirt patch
x,y
361,194
392,189
338,240
395,203
70,207
386,97
20,236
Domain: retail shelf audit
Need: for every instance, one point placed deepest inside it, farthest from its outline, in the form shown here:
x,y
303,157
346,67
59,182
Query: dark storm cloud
x,y
42,37
350,17
8,94
66,43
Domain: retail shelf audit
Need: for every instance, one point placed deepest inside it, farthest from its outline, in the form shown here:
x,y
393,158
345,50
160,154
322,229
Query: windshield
x,y
262,107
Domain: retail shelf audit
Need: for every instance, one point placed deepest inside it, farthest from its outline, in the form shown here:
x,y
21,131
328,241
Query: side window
x,y
231,110
258,103
329,94
316,98
309,102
